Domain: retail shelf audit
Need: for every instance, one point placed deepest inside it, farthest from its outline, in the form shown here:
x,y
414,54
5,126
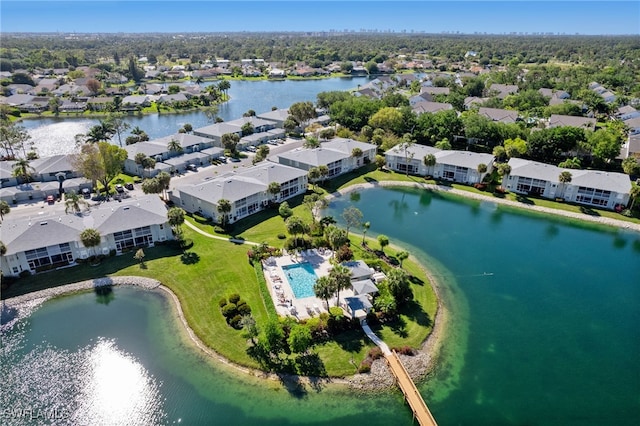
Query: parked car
x,y
119,188
86,192
51,199
192,167
222,158
251,148
234,160
129,186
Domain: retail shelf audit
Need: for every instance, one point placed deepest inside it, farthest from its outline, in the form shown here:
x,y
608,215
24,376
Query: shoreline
x,y
446,189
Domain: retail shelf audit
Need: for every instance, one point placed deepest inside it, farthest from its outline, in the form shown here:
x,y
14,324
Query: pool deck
x,y
281,292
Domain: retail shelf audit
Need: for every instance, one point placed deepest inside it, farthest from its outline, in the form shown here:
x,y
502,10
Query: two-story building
x,y
51,240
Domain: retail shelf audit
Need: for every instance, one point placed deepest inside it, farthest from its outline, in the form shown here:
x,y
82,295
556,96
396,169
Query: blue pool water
x,y
301,277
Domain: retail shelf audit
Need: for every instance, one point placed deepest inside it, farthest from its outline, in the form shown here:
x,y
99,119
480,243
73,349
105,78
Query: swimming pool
x,y
301,277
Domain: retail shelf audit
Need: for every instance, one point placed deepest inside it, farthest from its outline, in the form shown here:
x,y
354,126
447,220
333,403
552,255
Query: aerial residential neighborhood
x,y
281,224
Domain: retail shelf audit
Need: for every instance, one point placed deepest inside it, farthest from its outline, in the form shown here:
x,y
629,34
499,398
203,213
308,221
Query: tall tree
x,y
74,202
118,125
313,175
90,238
341,276
352,217
224,208
13,137
4,209
365,228
564,178
296,226
274,189
175,217
302,112
174,146
383,240
429,160
407,143
23,170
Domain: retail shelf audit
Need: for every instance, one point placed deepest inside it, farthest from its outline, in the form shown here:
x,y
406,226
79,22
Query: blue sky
x,y
497,17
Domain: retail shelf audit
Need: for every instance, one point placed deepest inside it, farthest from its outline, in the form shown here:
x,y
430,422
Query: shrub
x,y
229,310
405,350
234,298
186,243
365,366
281,236
375,353
284,210
25,273
302,243
244,309
236,322
344,253
222,302
218,229
319,242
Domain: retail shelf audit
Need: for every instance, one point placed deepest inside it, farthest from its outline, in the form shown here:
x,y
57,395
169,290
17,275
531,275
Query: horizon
x,y
457,17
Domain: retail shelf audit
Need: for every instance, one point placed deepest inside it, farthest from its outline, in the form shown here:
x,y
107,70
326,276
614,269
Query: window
x,y
57,255
531,186
455,173
596,197
133,238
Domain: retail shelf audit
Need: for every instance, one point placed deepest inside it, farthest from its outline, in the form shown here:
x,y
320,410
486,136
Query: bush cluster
x,y
234,309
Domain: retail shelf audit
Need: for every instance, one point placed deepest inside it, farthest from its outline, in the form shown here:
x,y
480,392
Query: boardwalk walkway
x,y
403,379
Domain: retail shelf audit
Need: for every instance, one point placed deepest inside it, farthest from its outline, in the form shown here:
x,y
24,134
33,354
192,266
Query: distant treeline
x,y
28,51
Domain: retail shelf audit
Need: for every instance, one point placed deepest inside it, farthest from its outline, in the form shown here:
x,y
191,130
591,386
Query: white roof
x,y
608,181
28,233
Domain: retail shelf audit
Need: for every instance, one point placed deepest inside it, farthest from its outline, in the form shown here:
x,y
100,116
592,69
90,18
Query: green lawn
x,y
215,269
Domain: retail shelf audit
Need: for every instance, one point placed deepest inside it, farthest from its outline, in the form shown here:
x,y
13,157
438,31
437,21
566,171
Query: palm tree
x,y
407,143
3,249
313,175
175,217
341,276
482,168
224,86
274,189
90,238
365,228
23,170
402,256
324,172
4,209
224,208
174,146
429,160
324,289
164,179
383,240
634,194
74,202
295,226
564,178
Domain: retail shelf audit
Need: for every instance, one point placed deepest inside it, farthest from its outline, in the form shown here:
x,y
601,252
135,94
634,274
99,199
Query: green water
x,y
544,331
547,331
75,360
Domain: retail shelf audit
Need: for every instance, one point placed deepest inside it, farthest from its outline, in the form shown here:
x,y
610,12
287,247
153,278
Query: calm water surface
x,y
80,361
545,313
53,136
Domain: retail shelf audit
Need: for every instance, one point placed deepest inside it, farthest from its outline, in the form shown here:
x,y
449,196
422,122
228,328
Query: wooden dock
x,y
412,396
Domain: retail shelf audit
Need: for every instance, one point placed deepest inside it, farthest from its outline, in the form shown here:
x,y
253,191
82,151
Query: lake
x,y
52,136
543,330
544,311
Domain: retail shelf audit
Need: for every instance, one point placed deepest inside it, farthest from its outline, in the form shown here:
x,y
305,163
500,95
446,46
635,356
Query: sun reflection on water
x,y
96,385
